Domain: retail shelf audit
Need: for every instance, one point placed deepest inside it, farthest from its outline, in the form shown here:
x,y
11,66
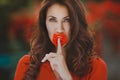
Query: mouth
x,y
63,39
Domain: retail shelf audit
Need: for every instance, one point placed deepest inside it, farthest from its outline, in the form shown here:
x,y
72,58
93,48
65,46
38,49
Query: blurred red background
x,y
103,17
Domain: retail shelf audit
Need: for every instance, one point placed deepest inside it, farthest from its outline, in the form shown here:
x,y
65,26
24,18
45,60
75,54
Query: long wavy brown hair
x,y
79,48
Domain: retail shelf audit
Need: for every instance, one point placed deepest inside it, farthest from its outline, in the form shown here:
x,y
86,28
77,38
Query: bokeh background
x,y
18,19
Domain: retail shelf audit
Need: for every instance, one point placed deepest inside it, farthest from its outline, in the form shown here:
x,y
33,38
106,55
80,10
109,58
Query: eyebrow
x,y
52,16
66,17
63,17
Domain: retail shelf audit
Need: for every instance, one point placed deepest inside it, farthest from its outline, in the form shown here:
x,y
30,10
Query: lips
x,y
63,38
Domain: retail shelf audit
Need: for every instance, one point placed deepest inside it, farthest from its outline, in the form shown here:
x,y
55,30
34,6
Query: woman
x,y
61,48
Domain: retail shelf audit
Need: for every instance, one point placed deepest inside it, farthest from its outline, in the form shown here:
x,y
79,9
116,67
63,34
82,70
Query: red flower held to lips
x,y
63,38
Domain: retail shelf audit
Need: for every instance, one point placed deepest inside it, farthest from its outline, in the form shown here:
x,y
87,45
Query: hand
x,y
57,63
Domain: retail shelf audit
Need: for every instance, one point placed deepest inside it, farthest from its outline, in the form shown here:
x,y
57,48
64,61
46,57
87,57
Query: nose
x,y
60,28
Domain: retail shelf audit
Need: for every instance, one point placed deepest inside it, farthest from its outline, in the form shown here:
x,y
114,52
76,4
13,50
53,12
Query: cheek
x,y
67,30
49,29
50,33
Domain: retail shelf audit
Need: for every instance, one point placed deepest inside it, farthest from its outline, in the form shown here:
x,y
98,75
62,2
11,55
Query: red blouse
x,y
99,71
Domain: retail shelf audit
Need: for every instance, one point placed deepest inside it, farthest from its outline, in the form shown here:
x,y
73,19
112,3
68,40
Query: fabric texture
x,y
99,71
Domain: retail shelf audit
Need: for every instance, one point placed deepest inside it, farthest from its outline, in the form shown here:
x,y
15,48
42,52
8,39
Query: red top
x,y
99,71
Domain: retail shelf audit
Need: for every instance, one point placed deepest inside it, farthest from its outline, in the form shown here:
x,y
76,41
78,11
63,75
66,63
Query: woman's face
x,y
58,21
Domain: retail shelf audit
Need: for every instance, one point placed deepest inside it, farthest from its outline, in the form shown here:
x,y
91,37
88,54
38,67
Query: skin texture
x,y
57,21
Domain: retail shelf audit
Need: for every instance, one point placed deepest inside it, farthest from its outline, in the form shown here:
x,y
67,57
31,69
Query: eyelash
x,y
52,20
65,20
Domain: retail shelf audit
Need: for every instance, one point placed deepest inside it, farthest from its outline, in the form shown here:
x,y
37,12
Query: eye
x,y
52,20
67,19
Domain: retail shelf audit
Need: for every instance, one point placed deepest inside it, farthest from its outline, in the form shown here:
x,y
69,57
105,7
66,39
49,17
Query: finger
x,y
48,56
45,58
52,66
51,63
59,49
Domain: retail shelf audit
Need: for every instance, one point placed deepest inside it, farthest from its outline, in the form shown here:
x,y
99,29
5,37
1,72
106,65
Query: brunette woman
x,y
61,48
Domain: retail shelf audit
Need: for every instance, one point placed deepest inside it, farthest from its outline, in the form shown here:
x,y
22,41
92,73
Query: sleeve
x,y
99,71
22,67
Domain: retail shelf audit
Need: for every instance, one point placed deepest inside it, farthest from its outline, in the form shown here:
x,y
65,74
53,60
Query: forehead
x,y
57,10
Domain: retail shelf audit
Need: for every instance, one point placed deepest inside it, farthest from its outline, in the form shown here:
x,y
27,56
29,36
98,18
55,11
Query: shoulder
x,y
99,61
22,67
25,59
99,69
23,62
